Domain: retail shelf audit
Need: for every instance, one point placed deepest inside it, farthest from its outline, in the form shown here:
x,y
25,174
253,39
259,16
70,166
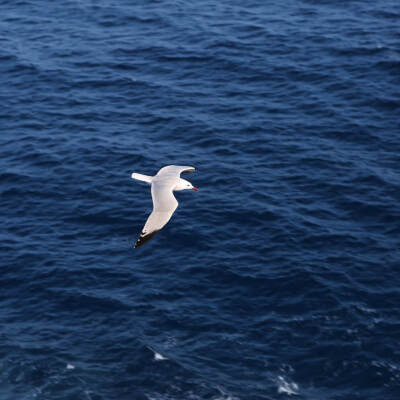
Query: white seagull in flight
x,y
164,203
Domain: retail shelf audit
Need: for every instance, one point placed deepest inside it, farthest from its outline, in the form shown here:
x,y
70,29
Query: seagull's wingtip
x,y
143,238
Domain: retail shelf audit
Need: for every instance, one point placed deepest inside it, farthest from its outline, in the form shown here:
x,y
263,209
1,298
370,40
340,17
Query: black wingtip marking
x,y
189,170
143,238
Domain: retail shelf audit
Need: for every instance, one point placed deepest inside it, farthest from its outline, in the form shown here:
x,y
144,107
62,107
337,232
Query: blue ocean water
x,y
279,278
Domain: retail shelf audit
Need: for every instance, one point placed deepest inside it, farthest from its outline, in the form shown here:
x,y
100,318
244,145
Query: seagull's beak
x,y
195,188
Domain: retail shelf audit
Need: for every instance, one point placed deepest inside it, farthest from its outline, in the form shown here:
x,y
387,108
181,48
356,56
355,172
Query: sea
x,y
279,278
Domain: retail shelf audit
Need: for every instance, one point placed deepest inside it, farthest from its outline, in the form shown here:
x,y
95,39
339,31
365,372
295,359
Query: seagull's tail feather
x,y
141,177
144,237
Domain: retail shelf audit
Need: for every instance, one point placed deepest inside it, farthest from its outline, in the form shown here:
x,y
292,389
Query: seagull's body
x,y
164,203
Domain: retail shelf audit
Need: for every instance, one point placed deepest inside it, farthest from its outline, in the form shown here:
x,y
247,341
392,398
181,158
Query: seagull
x,y
164,202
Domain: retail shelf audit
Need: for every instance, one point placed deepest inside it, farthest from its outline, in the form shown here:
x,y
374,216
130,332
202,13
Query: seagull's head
x,y
184,184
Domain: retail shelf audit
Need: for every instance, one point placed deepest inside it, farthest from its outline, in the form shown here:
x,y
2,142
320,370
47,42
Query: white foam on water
x,y
289,388
224,395
159,357
70,366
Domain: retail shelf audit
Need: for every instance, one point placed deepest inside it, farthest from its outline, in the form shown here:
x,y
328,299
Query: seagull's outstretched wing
x,y
164,205
174,170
